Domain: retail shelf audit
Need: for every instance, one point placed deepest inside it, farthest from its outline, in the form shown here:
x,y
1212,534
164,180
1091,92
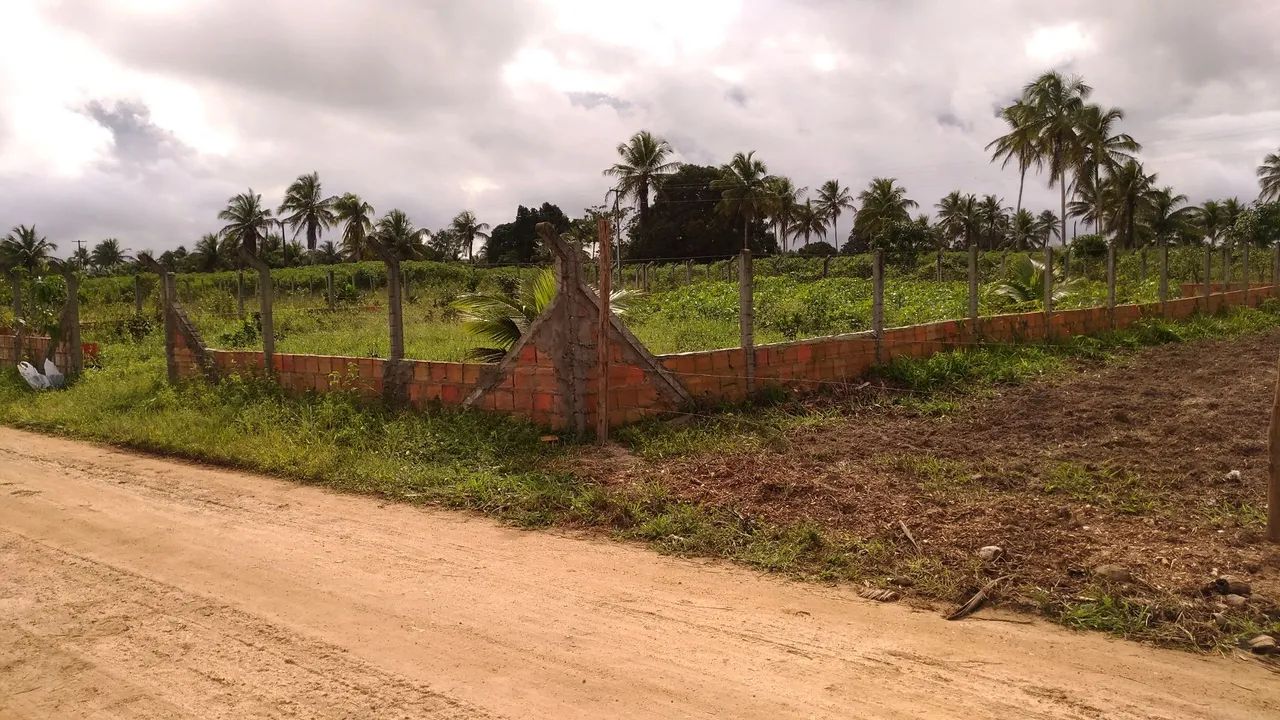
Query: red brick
x,y
450,394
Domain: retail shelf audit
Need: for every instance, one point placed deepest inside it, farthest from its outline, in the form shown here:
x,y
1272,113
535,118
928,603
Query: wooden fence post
x,y
266,299
877,302
1143,272
168,295
688,272
602,340
19,329
1208,275
71,322
1248,275
746,317
137,294
1275,265
1164,274
1111,285
240,293
1273,469
1048,289
938,261
1226,269
973,289
329,288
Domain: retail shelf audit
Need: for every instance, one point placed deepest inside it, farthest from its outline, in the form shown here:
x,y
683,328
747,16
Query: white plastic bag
x,y
33,376
53,374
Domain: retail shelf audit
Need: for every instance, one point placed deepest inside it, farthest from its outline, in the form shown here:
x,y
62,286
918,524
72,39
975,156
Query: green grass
x,y
1113,488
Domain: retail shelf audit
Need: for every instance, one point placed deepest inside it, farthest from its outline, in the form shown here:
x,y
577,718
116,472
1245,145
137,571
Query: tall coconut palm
x,y
1057,103
832,200
644,160
308,209
25,249
1126,190
881,204
356,215
1231,209
744,191
1269,177
208,254
784,207
1211,217
466,228
1024,230
992,219
1087,203
1102,148
1163,214
80,257
1047,227
108,255
247,220
958,217
395,231
1020,144
327,254
808,222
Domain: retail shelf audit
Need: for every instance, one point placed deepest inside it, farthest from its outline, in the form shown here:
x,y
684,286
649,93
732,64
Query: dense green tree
x,y
247,220
834,199
356,217
209,255
327,253
958,218
643,161
1165,216
307,208
684,221
517,241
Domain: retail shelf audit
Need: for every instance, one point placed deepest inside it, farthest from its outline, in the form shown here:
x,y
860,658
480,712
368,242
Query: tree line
x,y
662,208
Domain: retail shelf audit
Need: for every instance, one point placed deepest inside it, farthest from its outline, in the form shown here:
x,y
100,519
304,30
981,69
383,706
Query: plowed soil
x,y
1127,462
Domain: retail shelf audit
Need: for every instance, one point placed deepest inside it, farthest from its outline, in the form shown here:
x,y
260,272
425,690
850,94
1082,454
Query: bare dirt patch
x,y
1129,463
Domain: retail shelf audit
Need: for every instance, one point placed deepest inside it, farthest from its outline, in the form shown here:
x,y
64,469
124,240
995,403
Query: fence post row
x,y
746,320
877,303
1111,285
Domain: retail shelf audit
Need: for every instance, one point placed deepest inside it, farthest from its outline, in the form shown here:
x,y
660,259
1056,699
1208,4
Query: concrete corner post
x,y
877,303
746,318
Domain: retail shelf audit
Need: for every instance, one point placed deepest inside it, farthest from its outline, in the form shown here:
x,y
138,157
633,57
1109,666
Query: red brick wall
x,y
37,346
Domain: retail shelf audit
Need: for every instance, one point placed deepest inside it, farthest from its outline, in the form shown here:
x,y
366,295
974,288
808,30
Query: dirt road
x,y
133,587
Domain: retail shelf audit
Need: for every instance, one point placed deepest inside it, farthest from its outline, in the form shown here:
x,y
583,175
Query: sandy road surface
x,y
133,587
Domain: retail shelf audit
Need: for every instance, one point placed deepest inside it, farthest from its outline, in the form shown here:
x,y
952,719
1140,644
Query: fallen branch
x,y
977,600
906,531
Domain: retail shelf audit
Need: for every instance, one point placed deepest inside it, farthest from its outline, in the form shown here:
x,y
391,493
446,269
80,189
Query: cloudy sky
x,y
138,118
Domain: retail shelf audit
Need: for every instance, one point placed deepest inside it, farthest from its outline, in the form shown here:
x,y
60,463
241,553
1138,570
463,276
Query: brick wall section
x,y
533,390
1197,289
37,346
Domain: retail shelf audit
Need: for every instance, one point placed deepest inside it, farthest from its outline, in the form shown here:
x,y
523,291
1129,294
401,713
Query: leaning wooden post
x,y
602,339
240,293
1048,290
877,303
1273,474
1164,275
329,288
1111,285
266,298
973,289
747,318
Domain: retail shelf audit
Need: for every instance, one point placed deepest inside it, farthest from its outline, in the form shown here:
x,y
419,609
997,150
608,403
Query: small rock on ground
x,y
1114,573
990,552
1263,645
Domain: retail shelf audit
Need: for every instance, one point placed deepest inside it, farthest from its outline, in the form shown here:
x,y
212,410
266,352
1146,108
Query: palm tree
x,y
308,208
1101,149
1057,103
247,220
1047,227
1126,189
1163,215
992,220
1024,285
1231,209
1269,177
1211,217
208,255
396,232
80,257
466,228
808,222
357,218
645,159
1024,230
883,203
832,199
25,249
785,207
107,255
327,254
744,191
1087,204
1021,143
958,217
